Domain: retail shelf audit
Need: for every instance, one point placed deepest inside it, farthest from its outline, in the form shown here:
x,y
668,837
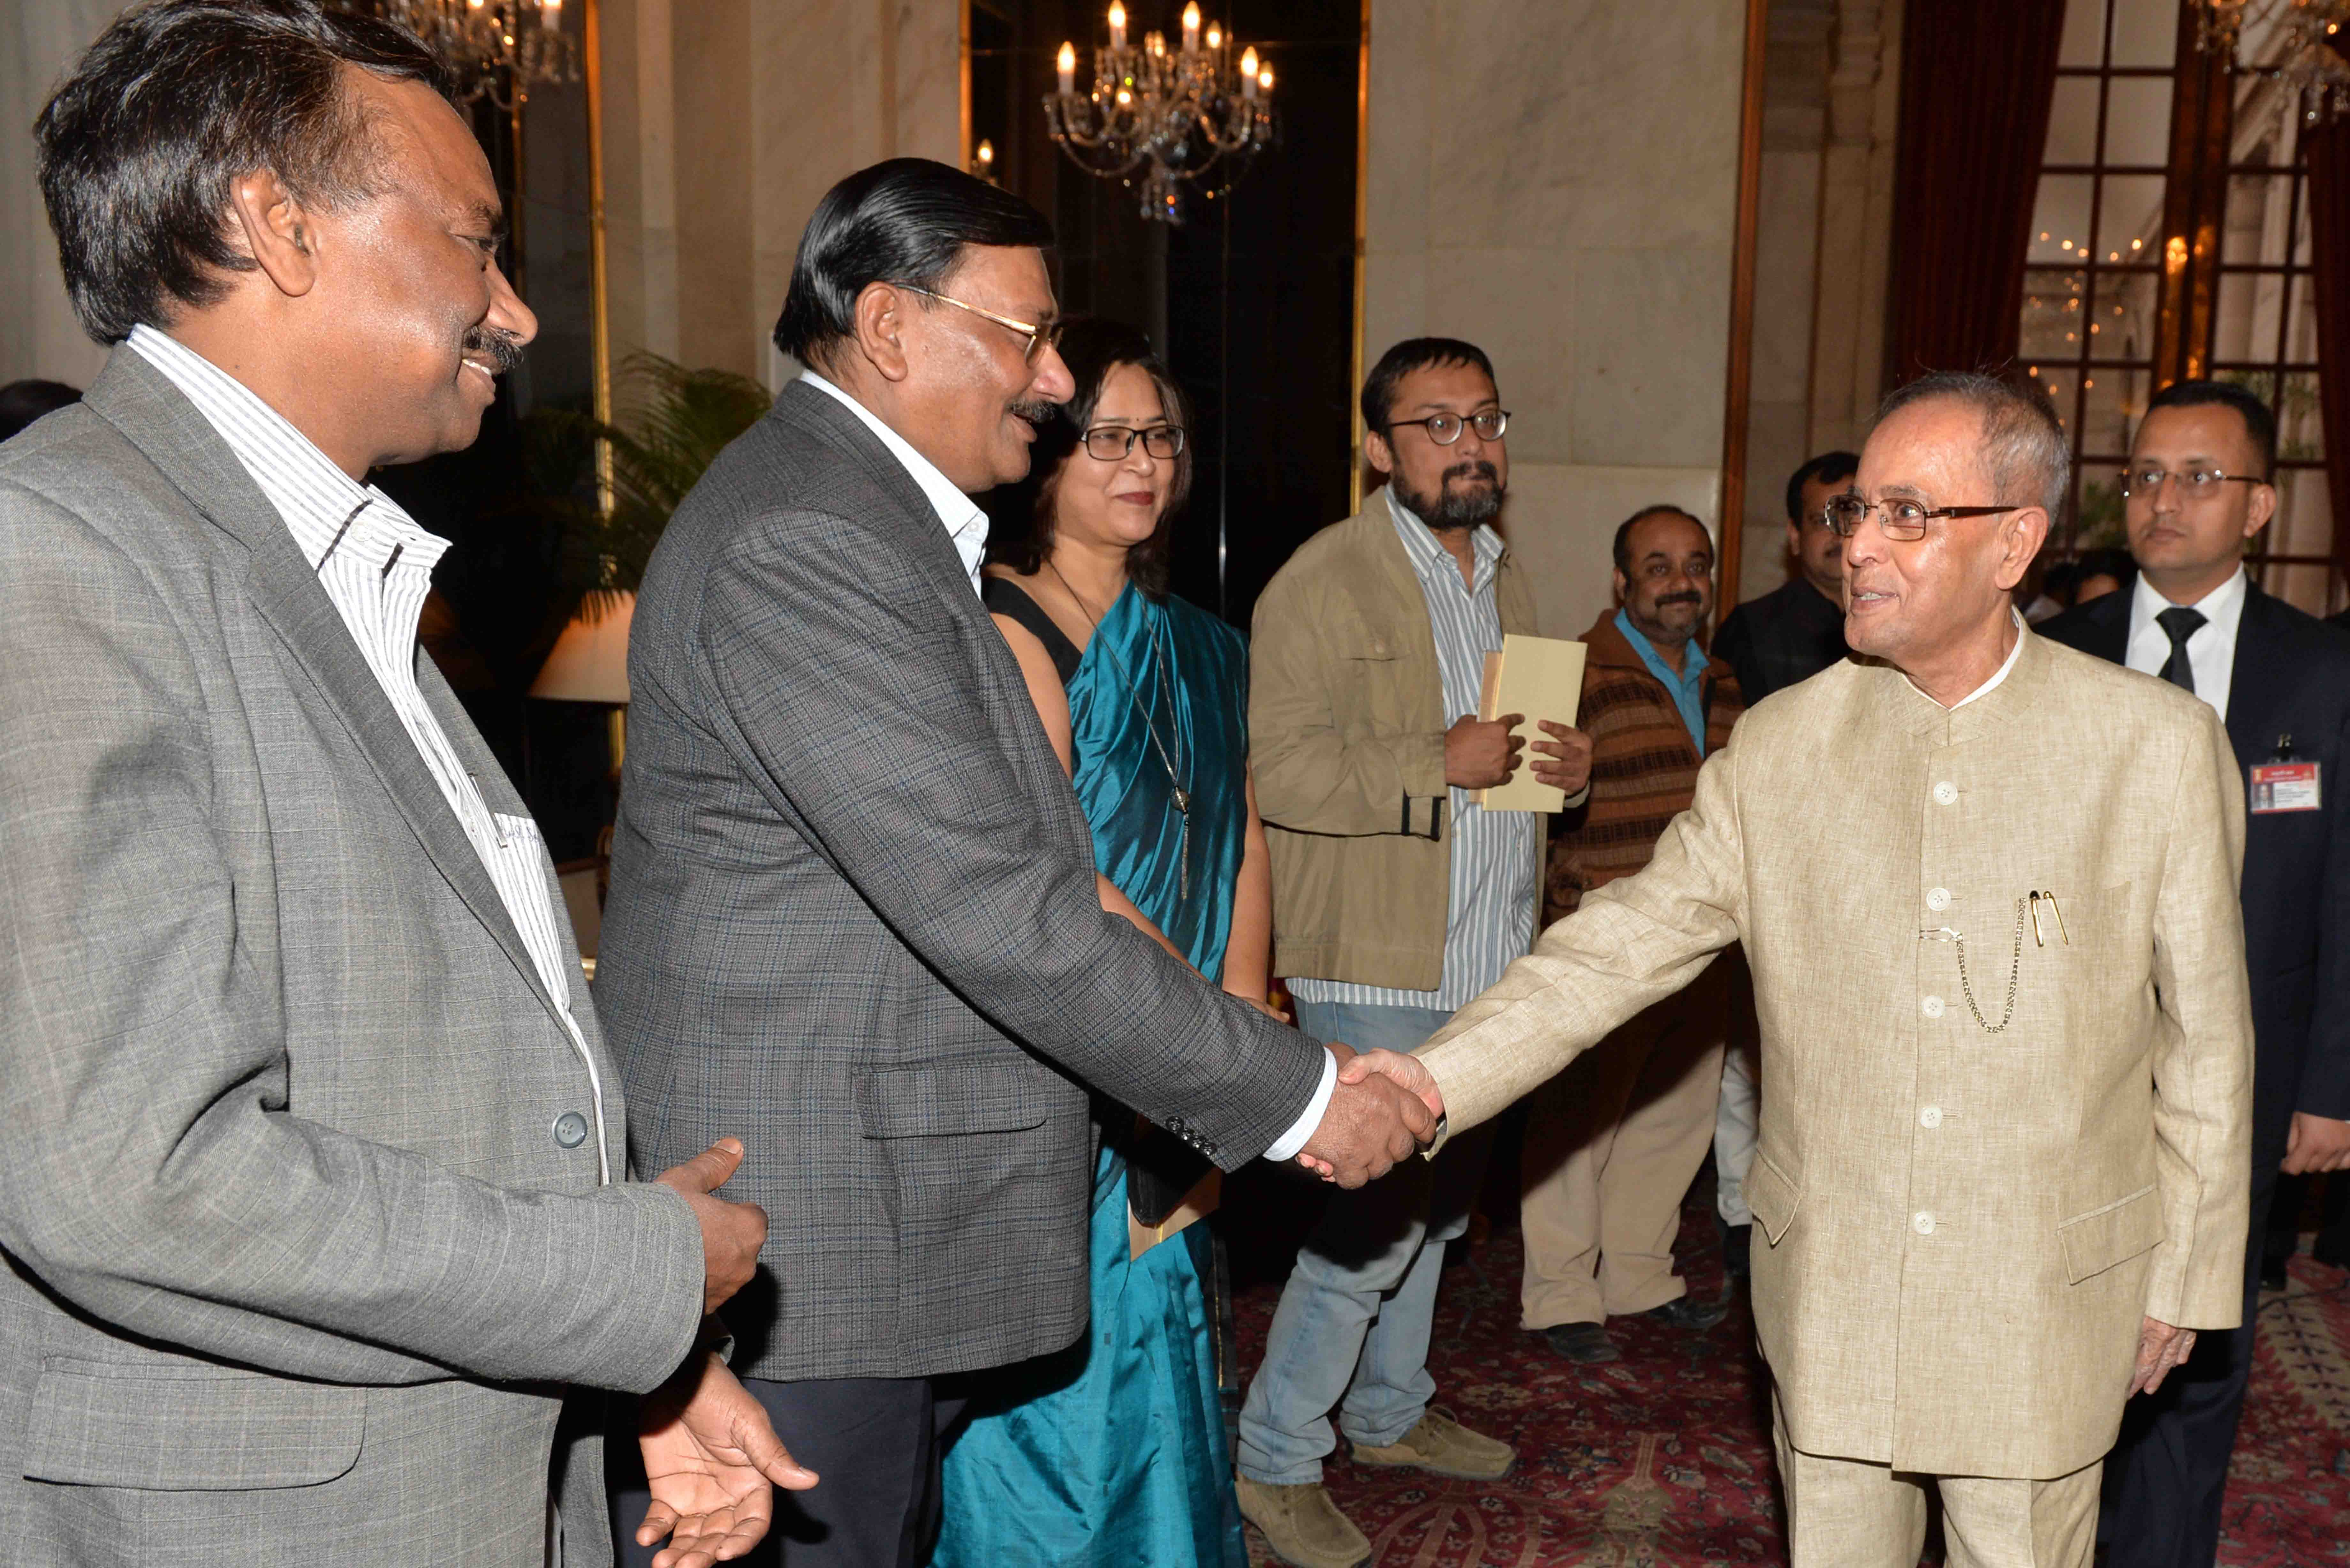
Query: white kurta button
x,y
1923,1224
1946,793
1937,899
1931,1007
1931,1116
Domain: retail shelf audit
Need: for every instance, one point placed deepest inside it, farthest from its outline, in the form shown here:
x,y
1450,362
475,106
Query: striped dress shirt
x,y
375,564
1496,870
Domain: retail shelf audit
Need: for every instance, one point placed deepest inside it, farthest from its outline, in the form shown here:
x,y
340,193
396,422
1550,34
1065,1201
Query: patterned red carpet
x,y
1664,1457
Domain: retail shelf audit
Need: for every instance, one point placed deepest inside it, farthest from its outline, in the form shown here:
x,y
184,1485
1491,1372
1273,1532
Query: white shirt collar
x,y
314,497
2222,608
2007,664
965,524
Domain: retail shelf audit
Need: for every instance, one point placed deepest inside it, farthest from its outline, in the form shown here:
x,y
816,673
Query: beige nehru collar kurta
x,y
1964,1226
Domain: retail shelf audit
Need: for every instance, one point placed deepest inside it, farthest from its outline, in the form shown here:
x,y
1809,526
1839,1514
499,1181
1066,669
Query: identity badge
x,y
2284,786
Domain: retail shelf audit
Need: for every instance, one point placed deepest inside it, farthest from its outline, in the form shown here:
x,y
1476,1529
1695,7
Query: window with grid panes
x,y
2093,282
2264,331
2172,238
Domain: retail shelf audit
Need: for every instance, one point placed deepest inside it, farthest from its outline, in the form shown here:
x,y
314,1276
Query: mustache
x,y
494,346
1478,470
1689,598
1036,413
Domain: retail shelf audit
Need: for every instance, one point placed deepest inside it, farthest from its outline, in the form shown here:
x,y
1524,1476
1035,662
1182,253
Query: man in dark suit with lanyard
x,y
2198,488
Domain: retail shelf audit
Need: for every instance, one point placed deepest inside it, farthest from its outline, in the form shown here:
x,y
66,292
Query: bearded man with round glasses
x,y
1999,1179
2197,490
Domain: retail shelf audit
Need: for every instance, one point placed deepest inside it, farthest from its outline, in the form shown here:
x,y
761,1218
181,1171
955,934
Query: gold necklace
x,y
1179,796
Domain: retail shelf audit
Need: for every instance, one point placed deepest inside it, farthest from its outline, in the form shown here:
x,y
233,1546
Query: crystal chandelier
x,y
2303,45
1156,118
496,49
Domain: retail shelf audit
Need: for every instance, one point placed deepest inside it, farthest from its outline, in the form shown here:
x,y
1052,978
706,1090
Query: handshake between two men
x,y
709,1451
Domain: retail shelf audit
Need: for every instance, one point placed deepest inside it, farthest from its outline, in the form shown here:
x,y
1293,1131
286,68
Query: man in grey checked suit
x,y
854,910
312,1204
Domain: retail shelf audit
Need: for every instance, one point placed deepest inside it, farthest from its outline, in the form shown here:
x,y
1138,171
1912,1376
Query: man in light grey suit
x,y
855,912
312,1165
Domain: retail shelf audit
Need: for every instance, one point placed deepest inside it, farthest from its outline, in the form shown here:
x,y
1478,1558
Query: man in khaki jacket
x,y
1988,888
1395,898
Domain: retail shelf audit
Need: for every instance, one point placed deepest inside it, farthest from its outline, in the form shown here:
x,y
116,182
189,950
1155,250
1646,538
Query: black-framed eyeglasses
x,y
1903,518
1040,337
2196,484
1110,443
1445,429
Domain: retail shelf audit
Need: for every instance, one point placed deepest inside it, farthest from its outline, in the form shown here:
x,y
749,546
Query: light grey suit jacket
x,y
295,1267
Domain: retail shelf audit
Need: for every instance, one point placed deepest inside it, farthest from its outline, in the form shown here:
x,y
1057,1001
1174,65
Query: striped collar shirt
x,y
375,564
1496,858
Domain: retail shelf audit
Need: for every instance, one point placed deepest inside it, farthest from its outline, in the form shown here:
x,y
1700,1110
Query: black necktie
x,y
2178,623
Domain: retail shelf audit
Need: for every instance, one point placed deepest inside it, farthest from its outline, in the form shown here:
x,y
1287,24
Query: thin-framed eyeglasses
x,y
1110,443
2194,484
1040,335
1903,518
1445,429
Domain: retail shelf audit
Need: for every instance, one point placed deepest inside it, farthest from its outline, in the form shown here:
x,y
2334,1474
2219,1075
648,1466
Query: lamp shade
x,y
590,660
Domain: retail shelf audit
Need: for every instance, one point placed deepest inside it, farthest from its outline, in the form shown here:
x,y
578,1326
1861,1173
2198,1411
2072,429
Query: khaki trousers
x,y
1611,1145
1850,1514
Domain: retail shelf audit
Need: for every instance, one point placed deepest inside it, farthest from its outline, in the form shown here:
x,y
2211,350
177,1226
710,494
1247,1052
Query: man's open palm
x,y
710,1453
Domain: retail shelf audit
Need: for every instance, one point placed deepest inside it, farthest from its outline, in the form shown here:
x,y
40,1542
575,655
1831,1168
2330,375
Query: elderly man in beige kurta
x,y
2006,1038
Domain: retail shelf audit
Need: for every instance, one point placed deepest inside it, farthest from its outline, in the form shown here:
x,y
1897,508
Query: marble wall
x,y
1556,181
726,120
38,335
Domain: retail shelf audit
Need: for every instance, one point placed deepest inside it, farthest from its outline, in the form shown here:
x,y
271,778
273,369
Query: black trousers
x,y
874,1444
2166,1477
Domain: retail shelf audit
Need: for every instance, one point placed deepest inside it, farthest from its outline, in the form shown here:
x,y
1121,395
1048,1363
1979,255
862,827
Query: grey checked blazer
x,y
295,1270
853,920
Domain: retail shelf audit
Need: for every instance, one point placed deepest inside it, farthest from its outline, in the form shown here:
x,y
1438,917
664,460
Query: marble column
x,y
1556,181
726,120
39,41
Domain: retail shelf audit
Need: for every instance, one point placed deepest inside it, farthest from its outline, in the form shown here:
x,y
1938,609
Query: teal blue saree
x,y
1113,1450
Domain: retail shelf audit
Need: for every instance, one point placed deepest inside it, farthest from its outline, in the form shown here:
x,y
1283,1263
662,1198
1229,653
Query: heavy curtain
x,y
2328,150
1977,79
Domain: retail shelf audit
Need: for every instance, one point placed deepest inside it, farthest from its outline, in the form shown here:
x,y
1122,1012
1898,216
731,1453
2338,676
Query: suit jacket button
x,y
570,1129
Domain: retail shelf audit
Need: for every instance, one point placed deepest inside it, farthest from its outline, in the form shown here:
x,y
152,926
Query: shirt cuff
x,y
1286,1146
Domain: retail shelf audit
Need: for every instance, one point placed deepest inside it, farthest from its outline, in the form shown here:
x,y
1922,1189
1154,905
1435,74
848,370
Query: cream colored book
x,y
1542,678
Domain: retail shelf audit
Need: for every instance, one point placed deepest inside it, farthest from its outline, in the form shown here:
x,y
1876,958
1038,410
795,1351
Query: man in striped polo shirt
x,y
1395,900
1612,1143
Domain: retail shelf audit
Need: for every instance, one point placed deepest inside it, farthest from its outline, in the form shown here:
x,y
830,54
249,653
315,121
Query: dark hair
x,y
22,402
905,220
176,101
1624,530
2024,444
1092,348
1413,354
1826,469
2114,564
2259,423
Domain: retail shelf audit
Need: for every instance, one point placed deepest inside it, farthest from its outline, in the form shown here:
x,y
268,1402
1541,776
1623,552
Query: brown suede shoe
x,y
1301,1525
1442,1444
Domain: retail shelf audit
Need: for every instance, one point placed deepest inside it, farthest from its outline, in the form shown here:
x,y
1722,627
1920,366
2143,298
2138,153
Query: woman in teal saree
x,y
1113,1451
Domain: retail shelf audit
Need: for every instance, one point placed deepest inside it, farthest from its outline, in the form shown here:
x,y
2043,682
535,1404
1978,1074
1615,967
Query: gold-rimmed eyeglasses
x,y
1903,518
1040,337
2146,479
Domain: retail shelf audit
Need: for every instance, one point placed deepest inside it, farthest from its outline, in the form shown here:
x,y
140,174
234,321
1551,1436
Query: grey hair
x,y
2024,448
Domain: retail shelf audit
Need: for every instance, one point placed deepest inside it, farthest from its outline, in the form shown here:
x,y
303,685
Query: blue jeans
x,y
1354,1319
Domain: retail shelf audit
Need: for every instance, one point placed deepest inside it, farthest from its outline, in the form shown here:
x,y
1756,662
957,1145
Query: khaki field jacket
x,y
1346,723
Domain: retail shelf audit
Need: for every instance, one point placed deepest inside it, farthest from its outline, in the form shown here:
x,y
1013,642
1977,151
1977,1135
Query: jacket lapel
x,y
820,414
2255,690
155,417
2109,629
